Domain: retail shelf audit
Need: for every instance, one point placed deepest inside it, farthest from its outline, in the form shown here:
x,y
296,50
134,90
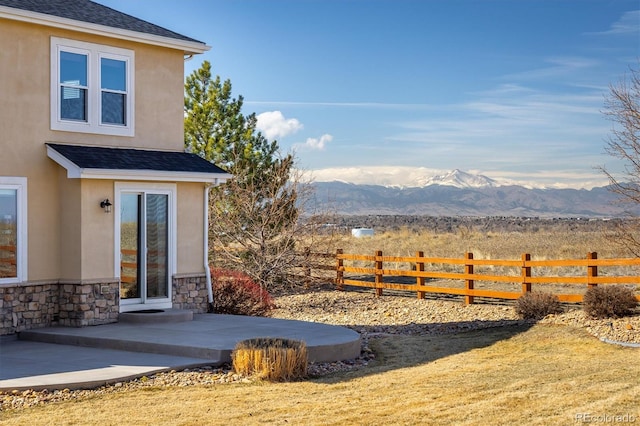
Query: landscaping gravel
x,y
394,314
372,317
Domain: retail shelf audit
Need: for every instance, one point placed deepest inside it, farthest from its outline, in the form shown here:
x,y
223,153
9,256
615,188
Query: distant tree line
x,y
443,224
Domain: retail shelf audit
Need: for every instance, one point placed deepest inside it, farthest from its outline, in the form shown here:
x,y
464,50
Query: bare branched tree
x,y
622,107
263,228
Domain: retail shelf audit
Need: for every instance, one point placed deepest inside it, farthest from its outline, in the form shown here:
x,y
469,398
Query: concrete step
x,y
132,340
154,316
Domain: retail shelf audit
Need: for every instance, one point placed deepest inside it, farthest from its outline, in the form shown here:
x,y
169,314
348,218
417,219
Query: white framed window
x,y
92,88
13,229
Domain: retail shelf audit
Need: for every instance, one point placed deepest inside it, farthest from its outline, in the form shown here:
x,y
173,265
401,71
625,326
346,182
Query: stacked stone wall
x,y
83,304
190,292
79,304
24,307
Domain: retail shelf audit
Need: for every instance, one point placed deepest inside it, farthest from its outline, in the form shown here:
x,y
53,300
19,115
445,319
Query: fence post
x,y
526,273
378,268
339,270
307,267
468,283
420,268
592,270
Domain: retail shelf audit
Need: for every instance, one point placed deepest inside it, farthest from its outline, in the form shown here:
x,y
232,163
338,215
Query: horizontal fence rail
x,y
8,254
436,274
8,261
307,267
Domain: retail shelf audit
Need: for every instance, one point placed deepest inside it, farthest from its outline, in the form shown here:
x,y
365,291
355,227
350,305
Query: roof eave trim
x,y
75,172
153,175
189,47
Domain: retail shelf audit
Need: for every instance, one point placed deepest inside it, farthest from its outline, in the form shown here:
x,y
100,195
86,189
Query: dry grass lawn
x,y
545,375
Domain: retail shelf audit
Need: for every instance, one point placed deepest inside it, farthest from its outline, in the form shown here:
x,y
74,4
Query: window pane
x,y
130,249
113,74
8,233
73,69
113,108
157,245
73,103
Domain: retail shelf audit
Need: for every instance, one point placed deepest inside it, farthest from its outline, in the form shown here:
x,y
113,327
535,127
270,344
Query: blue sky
x,y
382,91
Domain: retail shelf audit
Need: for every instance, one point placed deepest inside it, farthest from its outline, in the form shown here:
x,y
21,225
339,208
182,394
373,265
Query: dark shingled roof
x,y
94,13
93,157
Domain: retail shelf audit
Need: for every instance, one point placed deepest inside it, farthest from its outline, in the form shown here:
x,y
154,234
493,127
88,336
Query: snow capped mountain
x,y
422,191
461,179
419,177
448,200
404,177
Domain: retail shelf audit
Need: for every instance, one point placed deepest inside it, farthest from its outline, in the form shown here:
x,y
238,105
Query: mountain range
x,y
458,193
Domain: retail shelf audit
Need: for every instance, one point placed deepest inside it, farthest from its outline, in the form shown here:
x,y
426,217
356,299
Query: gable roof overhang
x,y
170,40
92,162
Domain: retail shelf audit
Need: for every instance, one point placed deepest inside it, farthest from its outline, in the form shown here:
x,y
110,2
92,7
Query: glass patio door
x,y
144,248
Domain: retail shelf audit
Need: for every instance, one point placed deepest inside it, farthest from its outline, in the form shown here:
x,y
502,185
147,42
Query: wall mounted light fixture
x,y
106,205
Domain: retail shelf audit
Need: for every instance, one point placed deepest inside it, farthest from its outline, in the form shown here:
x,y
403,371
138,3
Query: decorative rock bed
x,y
370,316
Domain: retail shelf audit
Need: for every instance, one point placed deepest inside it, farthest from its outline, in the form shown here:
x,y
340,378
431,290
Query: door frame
x,y
169,189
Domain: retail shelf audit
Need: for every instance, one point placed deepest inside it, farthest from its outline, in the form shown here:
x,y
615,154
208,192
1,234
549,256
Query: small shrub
x,y
537,305
273,359
612,301
236,294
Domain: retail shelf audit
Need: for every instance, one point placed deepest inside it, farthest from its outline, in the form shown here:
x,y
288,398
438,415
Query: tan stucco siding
x,y
98,257
24,112
25,64
190,228
69,251
69,236
24,84
97,230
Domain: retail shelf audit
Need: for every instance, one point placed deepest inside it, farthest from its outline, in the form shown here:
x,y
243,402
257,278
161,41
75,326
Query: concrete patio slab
x,y
62,357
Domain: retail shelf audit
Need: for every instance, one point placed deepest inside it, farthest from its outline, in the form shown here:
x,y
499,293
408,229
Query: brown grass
x,y
545,375
273,359
546,244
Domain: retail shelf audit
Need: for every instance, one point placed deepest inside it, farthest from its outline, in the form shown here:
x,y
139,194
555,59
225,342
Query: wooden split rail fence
x,y
422,280
470,275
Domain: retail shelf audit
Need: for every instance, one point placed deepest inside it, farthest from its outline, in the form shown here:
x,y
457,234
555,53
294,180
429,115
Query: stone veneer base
x,y
78,304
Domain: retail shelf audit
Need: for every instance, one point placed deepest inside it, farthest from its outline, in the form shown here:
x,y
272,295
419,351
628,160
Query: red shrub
x,y
236,294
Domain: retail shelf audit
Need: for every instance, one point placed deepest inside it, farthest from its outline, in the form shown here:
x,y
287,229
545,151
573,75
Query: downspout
x,y
207,270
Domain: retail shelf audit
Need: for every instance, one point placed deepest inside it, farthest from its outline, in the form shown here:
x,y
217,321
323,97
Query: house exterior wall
x,y
25,63
97,231
71,271
25,68
68,252
190,227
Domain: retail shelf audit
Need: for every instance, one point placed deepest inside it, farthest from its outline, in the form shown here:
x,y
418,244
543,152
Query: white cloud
x,y
318,144
627,24
274,125
377,175
555,68
418,176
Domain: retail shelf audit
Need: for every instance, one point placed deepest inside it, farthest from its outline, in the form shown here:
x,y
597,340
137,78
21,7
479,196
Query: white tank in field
x,y
362,232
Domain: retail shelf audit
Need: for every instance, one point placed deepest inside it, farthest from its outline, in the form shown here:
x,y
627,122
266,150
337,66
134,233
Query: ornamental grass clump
x,y
272,359
537,305
613,301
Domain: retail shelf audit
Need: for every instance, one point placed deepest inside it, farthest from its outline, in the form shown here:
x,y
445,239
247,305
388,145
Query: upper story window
x,y
91,88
